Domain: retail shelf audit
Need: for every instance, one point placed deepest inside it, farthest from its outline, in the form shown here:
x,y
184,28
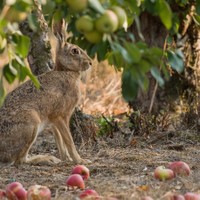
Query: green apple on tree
x,y
84,24
121,14
93,36
78,5
107,23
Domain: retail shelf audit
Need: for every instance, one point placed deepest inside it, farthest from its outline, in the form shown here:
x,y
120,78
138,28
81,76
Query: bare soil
x,y
117,169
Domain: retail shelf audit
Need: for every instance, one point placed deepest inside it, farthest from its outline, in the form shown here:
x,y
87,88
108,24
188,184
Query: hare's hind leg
x,y
68,140
60,145
29,132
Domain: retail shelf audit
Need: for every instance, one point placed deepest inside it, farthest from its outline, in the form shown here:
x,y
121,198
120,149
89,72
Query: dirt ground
x,y
122,166
117,170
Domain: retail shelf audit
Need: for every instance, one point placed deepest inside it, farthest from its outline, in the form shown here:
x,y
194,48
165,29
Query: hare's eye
x,y
75,51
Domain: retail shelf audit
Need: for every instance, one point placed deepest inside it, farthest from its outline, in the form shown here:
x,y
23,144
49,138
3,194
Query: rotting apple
x,y
78,5
161,173
15,190
38,192
121,14
93,36
74,181
107,23
192,196
89,194
84,24
179,168
82,170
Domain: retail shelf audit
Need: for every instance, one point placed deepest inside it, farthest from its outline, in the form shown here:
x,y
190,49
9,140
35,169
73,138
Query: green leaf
x,y
198,7
175,61
156,74
117,47
165,14
22,44
129,86
196,19
32,77
8,74
2,92
133,51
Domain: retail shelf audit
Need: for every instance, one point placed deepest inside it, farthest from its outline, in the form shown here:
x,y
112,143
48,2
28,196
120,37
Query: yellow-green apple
x,y
179,168
107,23
121,14
89,194
84,24
93,36
161,173
15,190
78,5
74,181
38,192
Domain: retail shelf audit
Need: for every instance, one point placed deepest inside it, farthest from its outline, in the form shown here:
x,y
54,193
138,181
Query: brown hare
x,y
28,110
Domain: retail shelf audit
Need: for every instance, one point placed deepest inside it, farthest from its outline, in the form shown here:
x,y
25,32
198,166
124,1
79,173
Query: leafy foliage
x,y
120,48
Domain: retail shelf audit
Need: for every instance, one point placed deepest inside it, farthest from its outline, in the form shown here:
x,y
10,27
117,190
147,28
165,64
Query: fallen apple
x,y
121,14
38,192
107,23
74,181
82,170
84,24
93,36
192,196
89,194
78,5
2,195
15,190
161,173
179,168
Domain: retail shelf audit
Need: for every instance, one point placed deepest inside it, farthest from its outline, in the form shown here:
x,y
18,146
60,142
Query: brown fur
x,y
28,110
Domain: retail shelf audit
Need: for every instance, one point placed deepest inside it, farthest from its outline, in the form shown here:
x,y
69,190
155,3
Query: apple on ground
x,y
2,195
179,168
15,190
121,14
107,23
75,181
78,5
192,196
161,173
38,192
81,170
89,194
84,24
93,36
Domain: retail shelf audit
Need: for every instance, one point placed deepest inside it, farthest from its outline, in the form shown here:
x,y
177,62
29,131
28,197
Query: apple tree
x,y
148,40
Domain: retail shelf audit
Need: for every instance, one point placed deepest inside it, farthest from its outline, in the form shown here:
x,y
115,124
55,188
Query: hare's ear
x,y
59,30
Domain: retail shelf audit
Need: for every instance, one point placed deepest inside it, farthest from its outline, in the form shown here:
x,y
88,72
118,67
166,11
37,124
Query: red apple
x,y
82,170
15,191
89,194
2,194
180,168
191,196
75,180
38,192
162,174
